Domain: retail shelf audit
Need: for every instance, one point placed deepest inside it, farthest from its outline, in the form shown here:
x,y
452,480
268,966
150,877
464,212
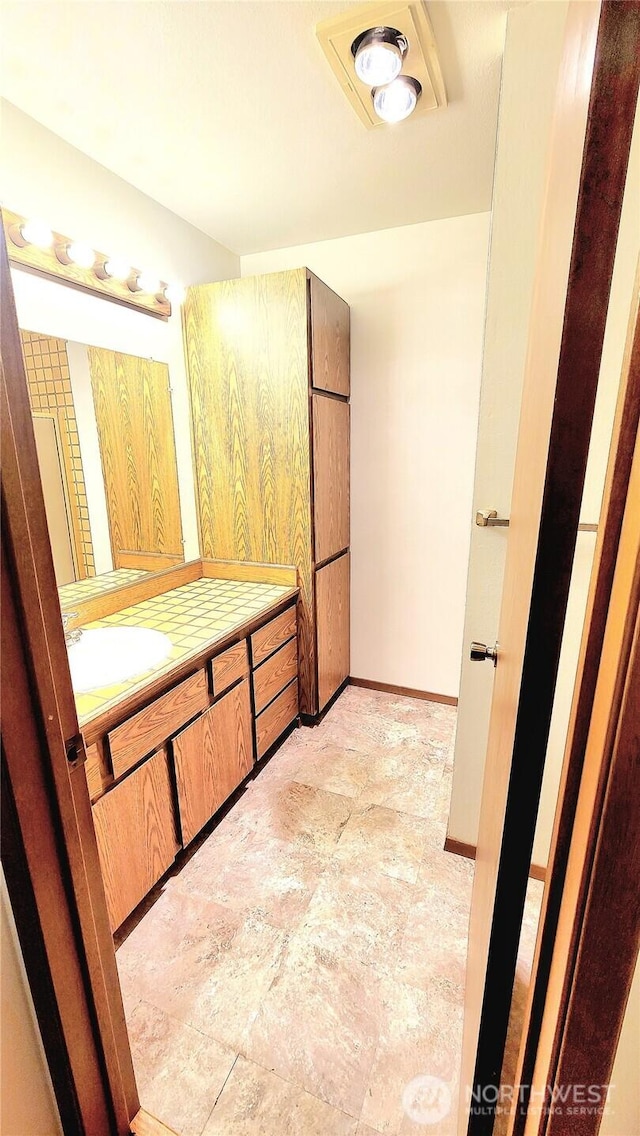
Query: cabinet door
x,y
330,476
136,835
332,621
212,757
329,339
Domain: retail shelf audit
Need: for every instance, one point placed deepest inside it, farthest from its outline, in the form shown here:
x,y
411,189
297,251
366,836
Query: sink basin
x,y
107,655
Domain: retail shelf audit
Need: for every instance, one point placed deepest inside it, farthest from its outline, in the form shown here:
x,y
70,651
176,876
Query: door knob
x,y
479,652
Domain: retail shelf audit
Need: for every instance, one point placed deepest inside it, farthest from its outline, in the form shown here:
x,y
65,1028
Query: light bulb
x,y
81,254
175,294
147,282
378,55
37,233
117,269
397,100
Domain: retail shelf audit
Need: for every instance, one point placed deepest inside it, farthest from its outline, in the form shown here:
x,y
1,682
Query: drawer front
x,y
228,667
136,835
276,718
267,640
274,674
153,725
212,757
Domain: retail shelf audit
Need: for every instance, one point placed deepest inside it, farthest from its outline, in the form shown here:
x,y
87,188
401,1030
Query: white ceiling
x,y
227,113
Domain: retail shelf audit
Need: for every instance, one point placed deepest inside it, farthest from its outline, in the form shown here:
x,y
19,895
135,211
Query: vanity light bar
x,y
32,245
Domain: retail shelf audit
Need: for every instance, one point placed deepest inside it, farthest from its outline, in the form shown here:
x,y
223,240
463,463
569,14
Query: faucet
x,y
71,634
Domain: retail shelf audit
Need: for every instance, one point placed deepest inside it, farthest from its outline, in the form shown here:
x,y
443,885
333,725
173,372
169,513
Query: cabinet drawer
x,y
229,666
153,725
136,835
274,674
267,640
212,757
276,718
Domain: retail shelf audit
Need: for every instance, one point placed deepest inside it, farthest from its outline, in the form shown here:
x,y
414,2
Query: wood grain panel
x,y
135,830
97,778
247,356
148,561
268,638
274,675
144,1124
280,714
228,667
330,334
332,618
135,430
212,757
152,726
331,421
285,574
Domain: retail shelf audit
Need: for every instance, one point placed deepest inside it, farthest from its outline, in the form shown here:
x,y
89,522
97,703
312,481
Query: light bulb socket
x,y
62,253
380,35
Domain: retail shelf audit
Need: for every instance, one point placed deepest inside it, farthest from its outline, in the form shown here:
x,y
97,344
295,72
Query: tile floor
x,y
308,961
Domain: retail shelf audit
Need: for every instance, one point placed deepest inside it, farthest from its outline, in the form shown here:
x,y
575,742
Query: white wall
x,y
42,176
27,1103
417,311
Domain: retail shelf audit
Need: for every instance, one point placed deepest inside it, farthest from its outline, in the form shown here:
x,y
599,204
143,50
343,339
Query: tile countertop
x,y
195,617
71,594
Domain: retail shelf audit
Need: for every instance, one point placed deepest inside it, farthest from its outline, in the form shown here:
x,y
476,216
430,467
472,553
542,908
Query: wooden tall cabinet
x,y
268,363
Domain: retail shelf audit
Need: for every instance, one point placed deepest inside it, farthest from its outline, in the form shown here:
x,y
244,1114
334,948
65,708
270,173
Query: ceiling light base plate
x,y
420,61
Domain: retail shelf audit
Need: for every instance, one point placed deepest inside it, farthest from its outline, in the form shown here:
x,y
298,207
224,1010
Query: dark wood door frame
x,y
605,156
48,842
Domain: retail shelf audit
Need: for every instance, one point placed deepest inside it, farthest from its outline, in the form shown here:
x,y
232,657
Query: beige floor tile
x,y
384,840
358,916
256,1102
180,1072
405,781
273,879
433,951
319,930
202,963
334,768
318,1025
299,814
420,1036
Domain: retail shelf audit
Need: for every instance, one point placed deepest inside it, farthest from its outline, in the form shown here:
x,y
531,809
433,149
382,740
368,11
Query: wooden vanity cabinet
x,y
212,757
136,835
210,727
270,415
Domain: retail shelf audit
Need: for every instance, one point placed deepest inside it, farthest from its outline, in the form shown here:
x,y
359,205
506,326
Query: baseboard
x,y
405,691
459,848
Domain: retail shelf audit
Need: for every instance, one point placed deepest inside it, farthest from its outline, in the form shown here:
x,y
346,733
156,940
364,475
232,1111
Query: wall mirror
x,y
105,439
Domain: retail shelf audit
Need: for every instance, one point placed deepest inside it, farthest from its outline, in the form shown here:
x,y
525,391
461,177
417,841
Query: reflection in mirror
x,y
105,440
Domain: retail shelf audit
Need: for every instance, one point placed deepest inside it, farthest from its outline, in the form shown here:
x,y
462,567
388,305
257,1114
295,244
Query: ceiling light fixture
x,y
378,55
397,100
